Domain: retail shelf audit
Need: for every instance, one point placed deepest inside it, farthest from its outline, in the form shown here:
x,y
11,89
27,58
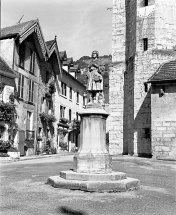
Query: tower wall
x,y
130,101
116,77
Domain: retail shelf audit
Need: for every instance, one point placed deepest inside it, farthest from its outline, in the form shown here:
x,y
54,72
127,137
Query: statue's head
x,y
95,54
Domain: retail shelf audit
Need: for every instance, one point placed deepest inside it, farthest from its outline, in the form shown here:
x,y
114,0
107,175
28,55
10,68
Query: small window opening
x,y
147,133
145,44
145,3
146,87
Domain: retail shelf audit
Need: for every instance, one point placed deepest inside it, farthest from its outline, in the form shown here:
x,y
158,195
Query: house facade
x,y
143,38
37,66
69,104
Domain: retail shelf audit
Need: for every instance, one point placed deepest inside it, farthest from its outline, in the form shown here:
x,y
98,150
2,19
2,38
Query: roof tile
x,y
166,71
16,29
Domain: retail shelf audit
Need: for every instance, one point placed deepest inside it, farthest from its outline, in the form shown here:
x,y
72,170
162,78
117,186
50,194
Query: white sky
x,y
81,26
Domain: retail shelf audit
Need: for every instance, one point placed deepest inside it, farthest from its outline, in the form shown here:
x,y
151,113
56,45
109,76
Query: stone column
x,y
93,156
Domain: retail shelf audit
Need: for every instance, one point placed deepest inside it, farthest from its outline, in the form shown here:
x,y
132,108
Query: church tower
x,y
143,37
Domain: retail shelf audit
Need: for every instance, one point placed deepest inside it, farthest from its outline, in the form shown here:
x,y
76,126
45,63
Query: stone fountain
x,y
93,164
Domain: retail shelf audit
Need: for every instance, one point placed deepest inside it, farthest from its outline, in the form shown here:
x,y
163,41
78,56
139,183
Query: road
x,y
24,190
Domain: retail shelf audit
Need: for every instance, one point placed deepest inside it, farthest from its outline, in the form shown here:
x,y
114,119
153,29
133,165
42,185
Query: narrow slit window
x,y
146,87
145,44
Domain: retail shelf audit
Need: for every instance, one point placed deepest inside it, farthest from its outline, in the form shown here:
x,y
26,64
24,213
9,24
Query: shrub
x,y
47,118
13,149
4,145
53,150
3,154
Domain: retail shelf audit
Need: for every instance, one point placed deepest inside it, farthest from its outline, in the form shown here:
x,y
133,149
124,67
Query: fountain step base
x,y
113,176
118,185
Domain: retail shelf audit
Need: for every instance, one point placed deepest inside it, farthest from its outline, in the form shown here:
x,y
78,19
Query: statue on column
x,y
95,79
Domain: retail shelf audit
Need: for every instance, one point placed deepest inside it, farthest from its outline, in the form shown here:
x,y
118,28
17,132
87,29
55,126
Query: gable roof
x,y
14,30
53,54
166,72
49,43
23,30
5,70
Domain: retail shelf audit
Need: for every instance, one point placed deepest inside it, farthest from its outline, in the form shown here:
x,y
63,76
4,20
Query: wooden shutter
x,y
22,87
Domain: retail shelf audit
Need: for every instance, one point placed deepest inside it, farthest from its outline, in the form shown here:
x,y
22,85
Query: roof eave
x,y
161,81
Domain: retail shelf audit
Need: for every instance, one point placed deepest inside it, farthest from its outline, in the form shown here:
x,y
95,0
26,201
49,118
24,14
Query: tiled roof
x,y
49,43
5,69
166,72
16,29
75,67
62,54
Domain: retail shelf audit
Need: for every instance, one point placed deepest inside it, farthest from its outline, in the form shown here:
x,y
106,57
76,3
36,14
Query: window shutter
x,y
19,83
32,92
35,94
22,87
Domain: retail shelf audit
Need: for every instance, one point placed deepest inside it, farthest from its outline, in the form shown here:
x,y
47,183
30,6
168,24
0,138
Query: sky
x,y
81,26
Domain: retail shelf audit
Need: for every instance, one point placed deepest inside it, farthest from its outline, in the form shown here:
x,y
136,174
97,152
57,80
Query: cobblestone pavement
x,y
24,190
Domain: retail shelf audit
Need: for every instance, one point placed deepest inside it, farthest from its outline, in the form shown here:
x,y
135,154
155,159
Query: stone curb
x,y
34,157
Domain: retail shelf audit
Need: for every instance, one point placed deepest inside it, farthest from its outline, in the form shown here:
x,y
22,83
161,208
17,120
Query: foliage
x,y
2,128
47,117
52,88
74,149
63,145
3,154
63,120
76,124
13,149
5,145
7,112
48,95
48,150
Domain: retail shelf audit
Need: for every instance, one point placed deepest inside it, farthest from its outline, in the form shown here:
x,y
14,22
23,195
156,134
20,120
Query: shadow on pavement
x,y
69,211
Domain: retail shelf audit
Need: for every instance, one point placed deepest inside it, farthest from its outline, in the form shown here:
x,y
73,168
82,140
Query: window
x,y
77,97
77,116
47,77
20,86
63,89
70,115
70,92
146,87
145,3
147,133
62,111
32,61
21,55
31,91
145,44
84,101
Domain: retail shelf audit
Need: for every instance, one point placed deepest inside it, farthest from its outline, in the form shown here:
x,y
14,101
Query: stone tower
x,y
143,37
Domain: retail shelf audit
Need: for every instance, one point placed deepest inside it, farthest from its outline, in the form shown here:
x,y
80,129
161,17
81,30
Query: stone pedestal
x,y
93,156
93,164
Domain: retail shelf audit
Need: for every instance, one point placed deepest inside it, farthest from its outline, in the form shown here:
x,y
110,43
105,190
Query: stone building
x,y
38,66
143,38
163,111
